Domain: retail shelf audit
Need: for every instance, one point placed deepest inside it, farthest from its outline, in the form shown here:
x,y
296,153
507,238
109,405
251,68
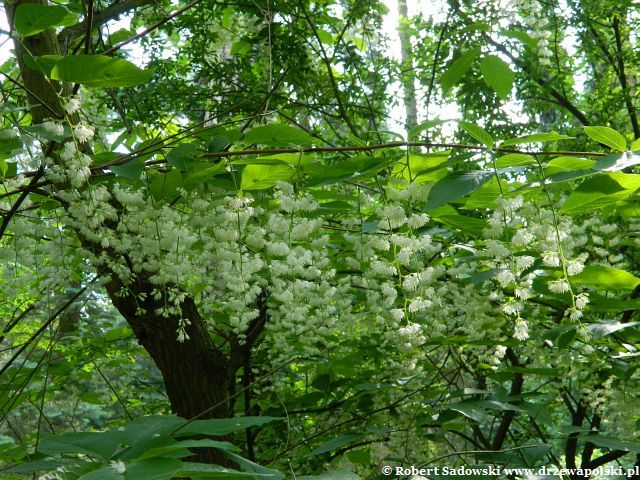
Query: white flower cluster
x,y
532,17
73,166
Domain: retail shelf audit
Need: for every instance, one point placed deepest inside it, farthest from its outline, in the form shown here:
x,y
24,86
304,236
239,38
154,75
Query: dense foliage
x,y
221,256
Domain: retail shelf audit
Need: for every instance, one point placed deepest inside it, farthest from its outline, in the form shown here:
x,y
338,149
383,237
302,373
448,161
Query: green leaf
x,y
102,473
521,36
165,185
485,196
497,74
202,470
32,18
278,134
153,469
182,156
130,170
455,186
182,445
426,125
259,177
617,161
99,71
599,191
336,443
599,276
475,409
341,475
635,145
535,138
202,172
258,470
97,445
44,63
612,443
514,160
599,330
607,136
469,225
224,426
478,133
563,163
457,69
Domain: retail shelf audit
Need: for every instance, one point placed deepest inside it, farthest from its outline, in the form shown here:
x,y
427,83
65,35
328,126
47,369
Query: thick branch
x,y
112,12
622,76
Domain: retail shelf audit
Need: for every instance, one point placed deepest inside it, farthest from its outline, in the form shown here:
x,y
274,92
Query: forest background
x,y
223,257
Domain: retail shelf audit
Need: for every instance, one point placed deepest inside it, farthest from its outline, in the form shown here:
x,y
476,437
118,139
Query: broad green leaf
x,y
203,470
10,141
32,18
258,470
612,443
130,170
635,145
185,444
535,138
95,444
426,125
476,409
182,156
455,186
497,74
564,163
202,172
153,469
341,475
469,225
425,165
165,185
607,136
599,276
617,161
224,426
514,160
99,71
521,36
278,134
485,196
457,69
599,191
44,63
478,133
259,177
599,330
102,473
336,443
355,167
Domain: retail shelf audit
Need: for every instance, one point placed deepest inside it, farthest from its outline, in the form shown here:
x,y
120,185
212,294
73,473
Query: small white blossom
x,y
118,466
521,330
574,267
505,277
53,128
558,286
83,133
581,300
550,259
72,105
524,261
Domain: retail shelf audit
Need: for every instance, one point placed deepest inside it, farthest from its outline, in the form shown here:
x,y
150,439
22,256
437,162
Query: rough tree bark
x,y
406,55
197,374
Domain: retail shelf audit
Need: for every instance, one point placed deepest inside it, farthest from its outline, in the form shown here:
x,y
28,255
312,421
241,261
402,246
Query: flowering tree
x,y
463,293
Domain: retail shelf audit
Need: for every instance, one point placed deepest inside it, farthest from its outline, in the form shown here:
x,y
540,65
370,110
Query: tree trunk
x,y
408,85
196,373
